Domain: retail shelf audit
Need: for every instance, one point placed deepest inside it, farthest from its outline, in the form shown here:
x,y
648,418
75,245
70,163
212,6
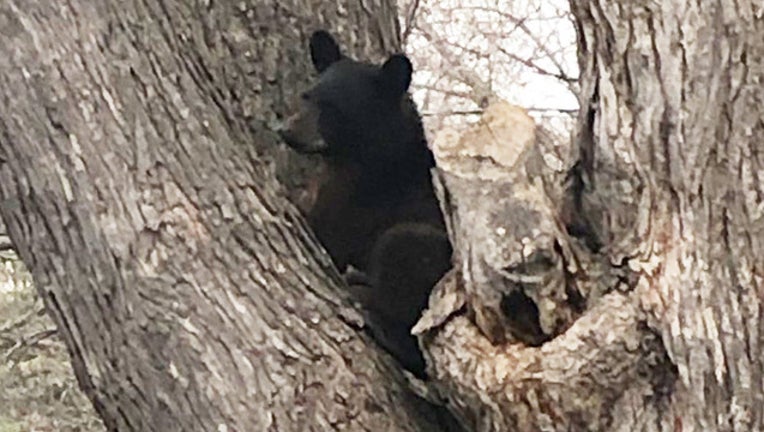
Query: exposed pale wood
x,y
499,365
664,218
136,181
510,246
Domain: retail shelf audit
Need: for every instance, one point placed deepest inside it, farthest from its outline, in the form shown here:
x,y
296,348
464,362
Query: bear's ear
x,y
323,50
396,74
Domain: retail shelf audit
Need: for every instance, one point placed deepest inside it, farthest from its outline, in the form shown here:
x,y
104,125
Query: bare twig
x,y
29,342
451,112
5,243
569,111
482,92
520,23
410,20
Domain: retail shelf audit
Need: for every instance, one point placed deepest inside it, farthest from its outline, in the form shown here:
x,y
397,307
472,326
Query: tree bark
x,y
533,329
137,184
664,218
675,157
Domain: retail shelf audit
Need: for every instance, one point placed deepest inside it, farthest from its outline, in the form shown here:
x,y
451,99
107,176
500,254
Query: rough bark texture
x,y
192,299
508,344
183,283
664,216
674,170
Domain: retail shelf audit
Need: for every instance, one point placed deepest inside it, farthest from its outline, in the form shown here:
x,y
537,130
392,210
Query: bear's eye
x,y
305,96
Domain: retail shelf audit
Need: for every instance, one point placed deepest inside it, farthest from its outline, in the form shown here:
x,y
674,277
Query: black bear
x,y
360,118
406,262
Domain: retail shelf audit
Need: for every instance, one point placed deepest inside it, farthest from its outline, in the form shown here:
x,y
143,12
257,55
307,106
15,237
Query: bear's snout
x,y
300,131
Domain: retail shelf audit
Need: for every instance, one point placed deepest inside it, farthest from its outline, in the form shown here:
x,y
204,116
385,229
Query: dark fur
x,y
406,262
360,118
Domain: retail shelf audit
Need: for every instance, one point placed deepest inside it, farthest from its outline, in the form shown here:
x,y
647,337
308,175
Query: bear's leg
x,y
406,262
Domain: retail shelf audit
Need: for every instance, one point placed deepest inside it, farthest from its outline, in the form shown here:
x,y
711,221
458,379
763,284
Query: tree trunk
x,y
662,241
184,285
676,158
191,297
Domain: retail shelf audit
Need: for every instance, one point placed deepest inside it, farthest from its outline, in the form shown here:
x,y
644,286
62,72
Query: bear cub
x,y
377,209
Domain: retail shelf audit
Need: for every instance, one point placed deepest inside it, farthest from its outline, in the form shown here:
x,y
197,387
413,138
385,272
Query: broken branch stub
x,y
509,245
517,284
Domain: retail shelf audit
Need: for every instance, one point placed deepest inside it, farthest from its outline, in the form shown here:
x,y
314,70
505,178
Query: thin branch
x,y
446,91
482,93
410,20
451,112
29,342
566,111
5,244
520,23
540,70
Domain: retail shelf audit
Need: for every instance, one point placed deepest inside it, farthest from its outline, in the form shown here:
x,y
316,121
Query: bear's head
x,y
356,112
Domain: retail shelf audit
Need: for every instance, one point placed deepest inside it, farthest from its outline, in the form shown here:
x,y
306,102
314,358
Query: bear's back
x,y
358,203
